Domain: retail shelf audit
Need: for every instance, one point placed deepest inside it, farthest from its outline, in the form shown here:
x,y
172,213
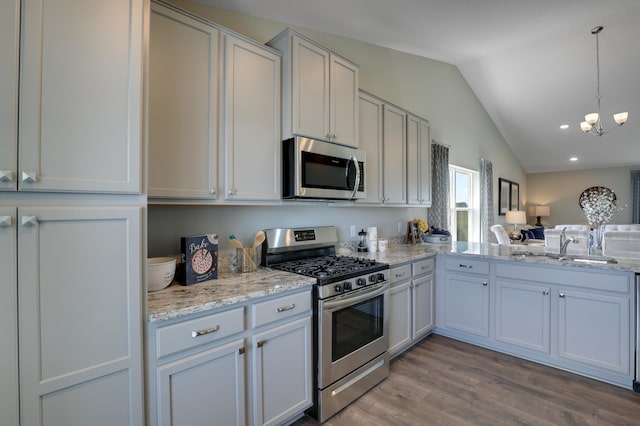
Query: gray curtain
x,y
635,196
486,200
439,211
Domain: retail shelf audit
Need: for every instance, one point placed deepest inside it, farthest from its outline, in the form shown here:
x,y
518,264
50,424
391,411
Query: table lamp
x,y
540,212
516,217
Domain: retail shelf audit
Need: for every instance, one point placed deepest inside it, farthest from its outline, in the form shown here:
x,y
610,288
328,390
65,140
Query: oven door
x,y
353,329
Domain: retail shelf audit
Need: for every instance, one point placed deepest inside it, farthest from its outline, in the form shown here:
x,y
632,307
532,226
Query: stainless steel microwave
x,y
317,169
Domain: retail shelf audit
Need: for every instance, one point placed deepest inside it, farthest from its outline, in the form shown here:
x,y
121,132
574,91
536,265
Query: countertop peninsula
x,y
177,301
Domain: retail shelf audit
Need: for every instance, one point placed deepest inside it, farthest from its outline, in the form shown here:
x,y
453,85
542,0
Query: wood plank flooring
x,y
442,381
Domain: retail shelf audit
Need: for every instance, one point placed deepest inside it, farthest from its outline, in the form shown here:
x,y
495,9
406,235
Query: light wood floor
x,y
445,382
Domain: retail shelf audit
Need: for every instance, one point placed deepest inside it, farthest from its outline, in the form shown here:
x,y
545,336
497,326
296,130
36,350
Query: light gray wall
x,y
561,190
431,89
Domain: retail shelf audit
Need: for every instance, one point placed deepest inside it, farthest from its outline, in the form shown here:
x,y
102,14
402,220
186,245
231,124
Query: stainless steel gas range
x,y
351,306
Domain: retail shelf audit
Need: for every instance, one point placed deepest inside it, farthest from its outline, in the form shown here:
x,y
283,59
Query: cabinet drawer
x,y
400,273
280,308
467,265
187,334
424,266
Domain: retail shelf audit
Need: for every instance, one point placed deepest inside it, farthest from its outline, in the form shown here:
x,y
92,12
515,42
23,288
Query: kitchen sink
x,y
567,257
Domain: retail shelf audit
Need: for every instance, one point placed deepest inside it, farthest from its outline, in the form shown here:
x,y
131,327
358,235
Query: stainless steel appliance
x,y
351,306
317,169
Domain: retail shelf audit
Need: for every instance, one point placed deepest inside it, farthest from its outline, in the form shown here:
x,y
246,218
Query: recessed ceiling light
x,y
573,159
564,126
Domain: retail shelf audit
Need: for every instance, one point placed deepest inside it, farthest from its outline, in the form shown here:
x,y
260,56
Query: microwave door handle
x,y
357,181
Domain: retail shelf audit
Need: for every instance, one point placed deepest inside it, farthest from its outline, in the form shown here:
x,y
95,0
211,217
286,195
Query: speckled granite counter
x,y
176,301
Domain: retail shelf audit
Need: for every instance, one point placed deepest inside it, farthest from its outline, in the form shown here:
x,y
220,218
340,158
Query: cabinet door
x,y
9,36
79,298
344,101
8,318
370,123
418,161
467,304
395,156
80,96
310,89
423,304
203,389
522,315
282,381
183,112
399,317
252,122
585,321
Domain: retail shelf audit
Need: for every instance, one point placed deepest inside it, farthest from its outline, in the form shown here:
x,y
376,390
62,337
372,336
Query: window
x,y
464,204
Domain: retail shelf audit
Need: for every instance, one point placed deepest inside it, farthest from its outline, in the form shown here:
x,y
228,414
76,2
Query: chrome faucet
x,y
564,242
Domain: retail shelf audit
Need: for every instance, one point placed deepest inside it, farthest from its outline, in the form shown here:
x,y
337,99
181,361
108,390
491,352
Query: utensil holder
x,y
247,259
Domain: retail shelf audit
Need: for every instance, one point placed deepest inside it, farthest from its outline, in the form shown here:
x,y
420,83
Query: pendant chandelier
x,y
592,123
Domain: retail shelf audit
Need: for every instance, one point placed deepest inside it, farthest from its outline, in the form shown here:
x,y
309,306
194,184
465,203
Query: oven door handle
x,y
373,291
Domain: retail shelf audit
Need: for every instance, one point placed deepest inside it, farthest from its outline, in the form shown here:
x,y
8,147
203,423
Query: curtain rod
x,y
434,142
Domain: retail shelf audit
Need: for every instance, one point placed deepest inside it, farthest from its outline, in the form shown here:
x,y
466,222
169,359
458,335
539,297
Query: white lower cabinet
x,y
411,304
523,313
282,372
250,364
594,329
204,389
575,318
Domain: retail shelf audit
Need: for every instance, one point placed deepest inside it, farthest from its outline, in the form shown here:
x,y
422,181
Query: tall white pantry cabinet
x,y
71,212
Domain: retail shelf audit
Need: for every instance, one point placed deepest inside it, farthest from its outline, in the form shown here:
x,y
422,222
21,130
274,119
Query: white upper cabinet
x,y
395,155
80,96
251,121
320,90
371,142
183,97
9,39
418,161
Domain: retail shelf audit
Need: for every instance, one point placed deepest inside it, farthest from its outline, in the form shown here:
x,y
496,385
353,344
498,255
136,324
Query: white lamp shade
x,y
585,126
543,211
621,117
591,118
516,217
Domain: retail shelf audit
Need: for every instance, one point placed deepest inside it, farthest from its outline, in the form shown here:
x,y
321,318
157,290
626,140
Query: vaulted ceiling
x,y
531,63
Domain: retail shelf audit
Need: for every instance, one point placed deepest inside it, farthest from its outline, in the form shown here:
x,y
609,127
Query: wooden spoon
x,y
260,237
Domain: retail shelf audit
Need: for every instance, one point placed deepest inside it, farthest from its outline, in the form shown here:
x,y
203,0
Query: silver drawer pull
x,y
465,266
400,274
205,332
286,308
425,267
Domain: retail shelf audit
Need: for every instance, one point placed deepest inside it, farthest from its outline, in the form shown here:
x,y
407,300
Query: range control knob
x,y
380,277
373,278
338,288
361,282
346,286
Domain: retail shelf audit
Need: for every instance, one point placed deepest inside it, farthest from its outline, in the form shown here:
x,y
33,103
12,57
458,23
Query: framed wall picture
x,y
504,192
514,198
508,196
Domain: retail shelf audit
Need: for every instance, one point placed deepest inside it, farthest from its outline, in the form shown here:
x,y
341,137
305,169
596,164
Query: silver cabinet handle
x,y
205,332
29,177
484,283
462,265
29,220
212,192
6,175
286,308
261,343
399,274
561,295
546,292
5,221
232,191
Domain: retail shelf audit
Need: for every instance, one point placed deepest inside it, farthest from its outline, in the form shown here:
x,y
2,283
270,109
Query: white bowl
x,y
160,272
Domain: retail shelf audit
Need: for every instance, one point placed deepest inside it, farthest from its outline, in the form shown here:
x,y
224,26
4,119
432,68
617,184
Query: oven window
x,y
356,326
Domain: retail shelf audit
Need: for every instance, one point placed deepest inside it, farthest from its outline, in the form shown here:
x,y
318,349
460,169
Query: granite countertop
x,y
230,288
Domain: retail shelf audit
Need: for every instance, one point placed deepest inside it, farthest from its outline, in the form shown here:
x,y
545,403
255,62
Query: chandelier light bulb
x,y
621,117
585,127
592,118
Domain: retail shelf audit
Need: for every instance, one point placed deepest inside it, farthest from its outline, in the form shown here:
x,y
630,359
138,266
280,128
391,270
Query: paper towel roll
x,y
372,233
